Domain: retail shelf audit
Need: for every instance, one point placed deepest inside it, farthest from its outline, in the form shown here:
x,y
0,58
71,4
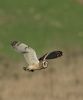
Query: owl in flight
x,y
30,56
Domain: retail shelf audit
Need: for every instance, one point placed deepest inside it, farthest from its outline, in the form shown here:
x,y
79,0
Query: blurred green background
x,y
45,25
41,23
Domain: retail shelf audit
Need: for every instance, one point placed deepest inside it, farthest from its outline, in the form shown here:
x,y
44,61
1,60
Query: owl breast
x,y
33,67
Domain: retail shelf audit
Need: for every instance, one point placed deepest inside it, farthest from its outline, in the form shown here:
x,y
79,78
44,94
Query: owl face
x,y
43,64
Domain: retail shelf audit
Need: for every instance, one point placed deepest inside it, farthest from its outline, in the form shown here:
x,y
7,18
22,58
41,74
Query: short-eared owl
x,y
31,58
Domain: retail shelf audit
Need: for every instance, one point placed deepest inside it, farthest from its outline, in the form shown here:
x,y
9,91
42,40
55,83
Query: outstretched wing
x,y
30,56
29,53
51,55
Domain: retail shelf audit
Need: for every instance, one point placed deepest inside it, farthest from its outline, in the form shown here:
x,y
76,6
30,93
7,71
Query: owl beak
x,y
13,43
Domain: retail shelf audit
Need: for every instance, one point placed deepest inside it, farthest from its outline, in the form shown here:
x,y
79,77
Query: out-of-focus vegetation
x,y
62,80
45,25
41,24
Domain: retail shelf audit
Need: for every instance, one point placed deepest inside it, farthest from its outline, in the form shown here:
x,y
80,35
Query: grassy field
x,y
60,81
41,24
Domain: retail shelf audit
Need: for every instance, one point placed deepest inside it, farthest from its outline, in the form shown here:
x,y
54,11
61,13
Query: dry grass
x,y
60,81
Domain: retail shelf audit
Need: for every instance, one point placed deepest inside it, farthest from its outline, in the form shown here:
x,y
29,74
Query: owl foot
x,y
25,68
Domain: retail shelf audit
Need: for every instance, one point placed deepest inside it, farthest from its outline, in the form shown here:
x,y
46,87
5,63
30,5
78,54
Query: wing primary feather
x,y
54,54
51,55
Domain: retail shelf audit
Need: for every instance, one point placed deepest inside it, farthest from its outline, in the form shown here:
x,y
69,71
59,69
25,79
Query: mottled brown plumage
x,y
33,63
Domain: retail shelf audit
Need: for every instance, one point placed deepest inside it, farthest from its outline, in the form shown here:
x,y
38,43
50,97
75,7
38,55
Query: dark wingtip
x,y
13,43
52,55
55,54
60,53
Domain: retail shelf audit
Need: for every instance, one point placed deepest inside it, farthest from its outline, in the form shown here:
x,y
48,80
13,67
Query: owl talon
x,y
31,70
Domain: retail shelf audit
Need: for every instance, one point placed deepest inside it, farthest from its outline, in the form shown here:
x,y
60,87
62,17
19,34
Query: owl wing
x,y
51,55
30,56
29,53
